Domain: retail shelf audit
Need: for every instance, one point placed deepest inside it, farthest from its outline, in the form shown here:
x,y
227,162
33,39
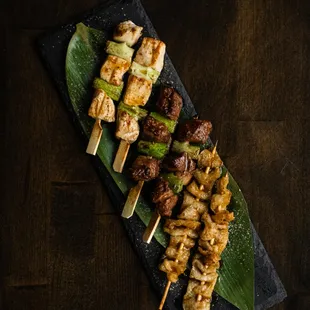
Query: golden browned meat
x,y
221,199
195,190
206,159
223,217
172,268
127,32
207,179
182,228
127,127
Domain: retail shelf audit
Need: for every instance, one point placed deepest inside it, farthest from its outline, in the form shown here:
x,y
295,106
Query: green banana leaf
x,y
236,280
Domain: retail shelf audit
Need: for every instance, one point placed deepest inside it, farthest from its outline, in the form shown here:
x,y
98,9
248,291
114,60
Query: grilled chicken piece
x,y
138,91
207,179
195,131
102,107
114,69
155,131
179,163
169,103
172,269
182,228
127,32
191,208
194,189
127,127
223,217
145,168
221,199
165,207
201,271
151,53
206,159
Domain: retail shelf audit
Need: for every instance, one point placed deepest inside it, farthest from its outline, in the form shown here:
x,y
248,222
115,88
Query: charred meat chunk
x,y
162,191
169,103
155,131
195,131
179,163
165,207
144,168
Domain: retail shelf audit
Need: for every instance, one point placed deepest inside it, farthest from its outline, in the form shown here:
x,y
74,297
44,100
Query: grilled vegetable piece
x,y
114,92
156,131
144,168
137,112
180,147
138,91
151,53
179,163
195,131
127,32
127,127
102,107
114,69
175,183
154,149
120,50
168,122
206,159
169,103
144,72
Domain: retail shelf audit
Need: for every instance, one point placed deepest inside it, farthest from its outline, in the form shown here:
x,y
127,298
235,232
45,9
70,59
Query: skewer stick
x,y
151,227
121,156
132,199
94,138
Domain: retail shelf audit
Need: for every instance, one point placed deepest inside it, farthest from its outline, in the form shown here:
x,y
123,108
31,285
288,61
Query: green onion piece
x,y
114,92
175,183
191,150
168,122
144,72
134,111
121,50
154,149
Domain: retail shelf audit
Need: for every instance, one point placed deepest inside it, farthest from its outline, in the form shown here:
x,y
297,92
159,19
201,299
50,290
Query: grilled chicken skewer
x,y
191,212
181,165
156,135
144,71
110,84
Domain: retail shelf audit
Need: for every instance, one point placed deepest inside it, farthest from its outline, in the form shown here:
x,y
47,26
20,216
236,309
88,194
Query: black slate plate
x,y
53,46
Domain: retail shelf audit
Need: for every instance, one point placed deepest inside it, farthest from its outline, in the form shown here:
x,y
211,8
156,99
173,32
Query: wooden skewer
x,y
182,245
121,156
151,227
132,199
94,138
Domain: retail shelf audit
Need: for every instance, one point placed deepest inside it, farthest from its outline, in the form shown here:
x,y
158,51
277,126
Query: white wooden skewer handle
x,y
151,228
121,156
94,138
132,199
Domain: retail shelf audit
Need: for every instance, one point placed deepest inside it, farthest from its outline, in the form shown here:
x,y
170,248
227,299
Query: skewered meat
x,y
194,189
182,227
165,207
138,91
179,163
162,191
195,131
223,217
144,168
221,199
127,32
155,131
206,159
169,103
114,69
151,53
185,177
102,107
207,179
127,127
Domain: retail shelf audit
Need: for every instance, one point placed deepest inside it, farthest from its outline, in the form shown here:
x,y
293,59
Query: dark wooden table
x,y
246,66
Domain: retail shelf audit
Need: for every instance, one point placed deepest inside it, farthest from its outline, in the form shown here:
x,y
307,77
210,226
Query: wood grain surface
x,y
246,66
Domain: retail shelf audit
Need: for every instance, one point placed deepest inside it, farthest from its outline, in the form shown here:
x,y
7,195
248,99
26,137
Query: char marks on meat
x,y
179,163
194,131
169,103
144,168
155,131
165,207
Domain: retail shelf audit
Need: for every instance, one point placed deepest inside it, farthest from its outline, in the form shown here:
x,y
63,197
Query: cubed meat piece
x,y
162,191
138,91
195,131
114,69
151,54
102,107
185,177
127,127
155,131
165,207
169,103
145,168
179,163
127,32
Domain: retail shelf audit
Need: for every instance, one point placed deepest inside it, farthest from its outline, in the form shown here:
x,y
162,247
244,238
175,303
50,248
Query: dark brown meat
x,y
165,207
195,131
155,131
144,168
162,191
169,103
179,163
